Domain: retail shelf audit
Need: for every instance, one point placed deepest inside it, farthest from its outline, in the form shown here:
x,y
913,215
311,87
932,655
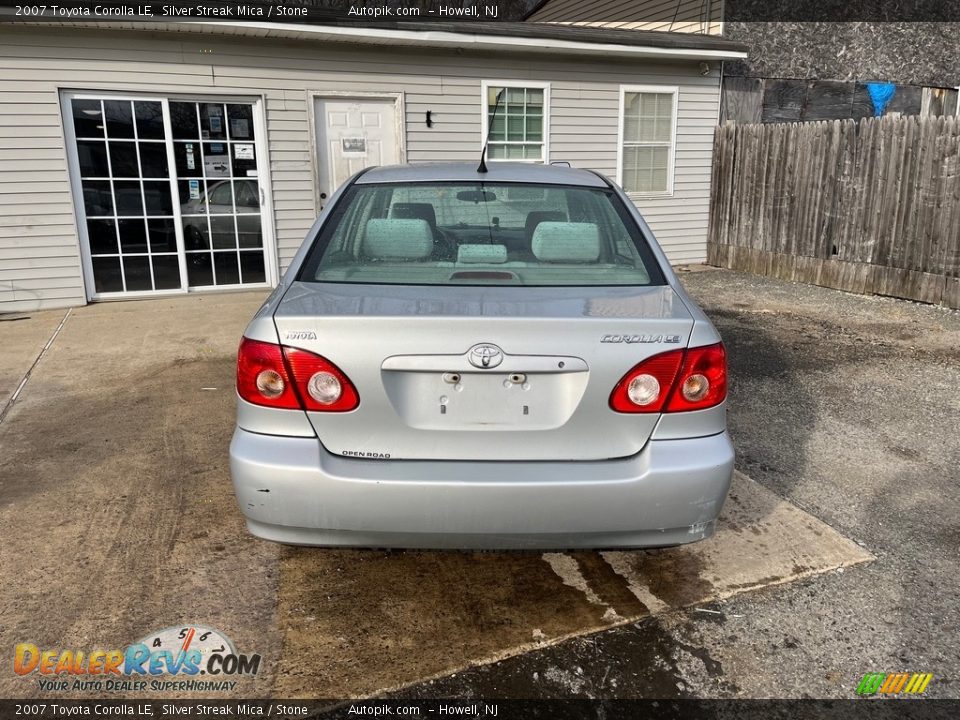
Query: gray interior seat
x,y
566,242
397,239
534,218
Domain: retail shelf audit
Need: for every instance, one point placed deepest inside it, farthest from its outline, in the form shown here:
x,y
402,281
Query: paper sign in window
x,y
216,165
354,146
243,152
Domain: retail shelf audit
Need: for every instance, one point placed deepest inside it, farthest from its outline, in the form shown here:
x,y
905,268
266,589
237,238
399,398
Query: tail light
x,y
654,376
320,384
674,381
262,377
703,379
290,378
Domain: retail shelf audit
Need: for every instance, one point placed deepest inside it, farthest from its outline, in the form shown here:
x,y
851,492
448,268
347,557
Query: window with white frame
x,y
648,119
519,130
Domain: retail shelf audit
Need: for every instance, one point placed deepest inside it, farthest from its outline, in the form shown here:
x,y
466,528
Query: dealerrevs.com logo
x,y
197,658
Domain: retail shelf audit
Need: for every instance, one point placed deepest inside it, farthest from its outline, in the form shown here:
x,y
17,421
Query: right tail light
x,y
674,381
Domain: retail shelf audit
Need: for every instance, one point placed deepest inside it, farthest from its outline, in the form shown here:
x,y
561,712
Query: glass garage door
x,y
168,194
219,192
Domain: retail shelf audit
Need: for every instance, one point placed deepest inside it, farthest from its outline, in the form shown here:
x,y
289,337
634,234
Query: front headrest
x,y
485,253
397,239
411,210
566,242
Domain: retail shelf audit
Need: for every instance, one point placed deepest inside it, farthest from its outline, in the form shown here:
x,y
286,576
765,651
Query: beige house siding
x,y
704,17
40,262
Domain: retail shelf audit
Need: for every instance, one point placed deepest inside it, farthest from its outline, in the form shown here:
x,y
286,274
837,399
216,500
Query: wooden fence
x,y
868,207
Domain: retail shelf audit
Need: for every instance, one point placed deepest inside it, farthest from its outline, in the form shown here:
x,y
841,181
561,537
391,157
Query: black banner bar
x,y
859,709
663,15
282,11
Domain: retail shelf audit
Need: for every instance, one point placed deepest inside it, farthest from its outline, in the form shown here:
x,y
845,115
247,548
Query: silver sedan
x,y
458,359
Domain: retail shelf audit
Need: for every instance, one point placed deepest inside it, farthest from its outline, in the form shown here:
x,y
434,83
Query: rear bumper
x,y
293,491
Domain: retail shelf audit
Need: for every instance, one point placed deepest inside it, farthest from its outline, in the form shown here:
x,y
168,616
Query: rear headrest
x,y
410,210
485,253
397,239
566,242
535,217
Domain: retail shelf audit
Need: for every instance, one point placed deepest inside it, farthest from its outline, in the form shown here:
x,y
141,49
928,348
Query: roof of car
x,y
497,172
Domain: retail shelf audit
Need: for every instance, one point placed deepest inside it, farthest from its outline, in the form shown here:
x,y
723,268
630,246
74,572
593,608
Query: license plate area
x,y
444,394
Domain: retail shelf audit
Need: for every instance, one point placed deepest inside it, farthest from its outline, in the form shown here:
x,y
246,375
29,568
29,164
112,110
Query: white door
x,y
353,134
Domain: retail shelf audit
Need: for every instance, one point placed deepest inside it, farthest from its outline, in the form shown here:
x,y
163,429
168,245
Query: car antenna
x,y
483,152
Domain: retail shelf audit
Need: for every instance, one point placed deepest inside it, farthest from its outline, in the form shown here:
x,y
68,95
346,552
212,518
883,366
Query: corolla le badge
x,y
485,356
631,339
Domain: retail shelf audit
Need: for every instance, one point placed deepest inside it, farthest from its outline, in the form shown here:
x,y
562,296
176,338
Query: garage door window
x,y
168,194
648,122
127,200
219,191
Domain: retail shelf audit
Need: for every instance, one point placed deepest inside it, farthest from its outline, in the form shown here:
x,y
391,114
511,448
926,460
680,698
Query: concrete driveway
x,y
120,520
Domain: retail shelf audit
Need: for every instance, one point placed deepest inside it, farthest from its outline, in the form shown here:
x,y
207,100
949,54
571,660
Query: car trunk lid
x,y
483,373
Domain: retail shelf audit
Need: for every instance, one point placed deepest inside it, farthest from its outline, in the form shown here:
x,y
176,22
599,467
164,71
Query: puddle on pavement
x,y
641,656
357,622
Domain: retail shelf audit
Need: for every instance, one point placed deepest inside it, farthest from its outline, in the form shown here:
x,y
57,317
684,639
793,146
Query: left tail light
x,y
262,376
320,385
281,377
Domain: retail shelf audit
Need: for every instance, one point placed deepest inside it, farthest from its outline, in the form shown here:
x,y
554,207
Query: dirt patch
x,y
612,587
673,575
361,622
357,621
118,507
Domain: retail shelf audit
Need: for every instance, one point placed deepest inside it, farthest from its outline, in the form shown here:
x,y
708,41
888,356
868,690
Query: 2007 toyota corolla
x,y
464,359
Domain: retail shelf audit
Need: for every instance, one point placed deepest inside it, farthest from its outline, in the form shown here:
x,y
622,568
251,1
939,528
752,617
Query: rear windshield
x,y
480,234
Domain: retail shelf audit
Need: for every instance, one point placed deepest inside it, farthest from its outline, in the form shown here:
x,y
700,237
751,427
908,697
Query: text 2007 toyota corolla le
x,y
464,359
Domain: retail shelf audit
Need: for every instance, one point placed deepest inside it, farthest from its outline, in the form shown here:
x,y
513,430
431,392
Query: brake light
x,y
262,377
321,385
674,381
645,388
293,379
703,379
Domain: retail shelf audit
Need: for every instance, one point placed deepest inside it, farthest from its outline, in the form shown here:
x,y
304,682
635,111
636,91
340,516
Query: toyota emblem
x,y
485,356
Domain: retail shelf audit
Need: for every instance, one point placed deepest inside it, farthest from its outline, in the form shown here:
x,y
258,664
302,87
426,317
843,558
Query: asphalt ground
x,y
120,520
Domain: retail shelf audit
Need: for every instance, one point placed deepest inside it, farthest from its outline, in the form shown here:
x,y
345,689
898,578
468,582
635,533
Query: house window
x,y
519,130
648,118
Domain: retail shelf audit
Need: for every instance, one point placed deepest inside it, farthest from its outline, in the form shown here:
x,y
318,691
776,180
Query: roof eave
x,y
472,41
